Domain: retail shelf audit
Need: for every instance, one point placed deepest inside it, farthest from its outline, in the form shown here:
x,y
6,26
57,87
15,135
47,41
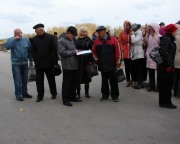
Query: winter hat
x,y
100,28
136,26
170,28
72,30
162,24
38,26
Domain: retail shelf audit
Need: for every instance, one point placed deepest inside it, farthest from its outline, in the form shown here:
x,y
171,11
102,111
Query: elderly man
x,y
69,59
106,54
20,53
44,52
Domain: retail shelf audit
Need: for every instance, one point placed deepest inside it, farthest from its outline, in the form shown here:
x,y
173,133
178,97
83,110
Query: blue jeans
x,y
20,75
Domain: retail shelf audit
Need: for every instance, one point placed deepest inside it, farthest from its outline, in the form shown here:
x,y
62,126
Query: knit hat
x,y
170,28
72,30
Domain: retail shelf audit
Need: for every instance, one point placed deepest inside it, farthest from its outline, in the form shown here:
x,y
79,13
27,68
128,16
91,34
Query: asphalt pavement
x,y
135,119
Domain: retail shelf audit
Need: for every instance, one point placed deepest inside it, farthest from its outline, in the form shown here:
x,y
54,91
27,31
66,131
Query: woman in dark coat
x,y
84,43
166,69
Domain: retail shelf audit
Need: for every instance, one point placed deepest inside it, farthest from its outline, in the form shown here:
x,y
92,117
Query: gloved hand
x,y
168,69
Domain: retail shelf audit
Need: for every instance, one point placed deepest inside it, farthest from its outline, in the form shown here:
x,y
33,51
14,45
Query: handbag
x,y
155,55
31,74
92,70
57,70
120,75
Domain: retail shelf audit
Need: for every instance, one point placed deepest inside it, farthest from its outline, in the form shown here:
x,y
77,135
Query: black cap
x,y
136,26
38,25
100,28
72,30
162,24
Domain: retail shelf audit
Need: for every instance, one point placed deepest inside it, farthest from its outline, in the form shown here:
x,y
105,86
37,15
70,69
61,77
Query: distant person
x,y
20,54
83,42
161,30
44,52
125,45
94,36
152,40
177,65
69,60
137,54
166,69
106,54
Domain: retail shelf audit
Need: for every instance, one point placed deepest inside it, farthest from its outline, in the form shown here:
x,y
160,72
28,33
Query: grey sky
x,y
26,13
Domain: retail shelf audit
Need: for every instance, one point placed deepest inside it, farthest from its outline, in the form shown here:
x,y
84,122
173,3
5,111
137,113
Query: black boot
x,y
140,82
78,95
87,91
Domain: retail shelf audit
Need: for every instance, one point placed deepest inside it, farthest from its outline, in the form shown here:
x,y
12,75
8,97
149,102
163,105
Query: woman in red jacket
x,y
125,44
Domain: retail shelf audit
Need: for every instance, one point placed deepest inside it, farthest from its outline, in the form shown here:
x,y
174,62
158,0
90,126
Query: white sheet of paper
x,y
84,52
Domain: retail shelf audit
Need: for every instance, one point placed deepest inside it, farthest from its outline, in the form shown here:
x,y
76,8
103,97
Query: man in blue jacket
x,y
20,53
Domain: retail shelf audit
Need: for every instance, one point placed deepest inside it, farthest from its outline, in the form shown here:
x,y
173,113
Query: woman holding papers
x,y
83,43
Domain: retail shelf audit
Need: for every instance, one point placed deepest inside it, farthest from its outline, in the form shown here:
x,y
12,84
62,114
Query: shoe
x,y
156,90
171,106
27,96
39,99
128,84
78,96
53,97
149,89
139,87
19,99
87,95
68,104
103,99
76,100
116,100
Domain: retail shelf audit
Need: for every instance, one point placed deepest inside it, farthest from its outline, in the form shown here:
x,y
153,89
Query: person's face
x,y
18,33
174,33
151,30
102,34
143,31
147,29
128,27
39,31
83,34
71,36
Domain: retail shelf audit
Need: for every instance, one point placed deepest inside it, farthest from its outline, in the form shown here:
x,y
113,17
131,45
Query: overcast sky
x,y
26,13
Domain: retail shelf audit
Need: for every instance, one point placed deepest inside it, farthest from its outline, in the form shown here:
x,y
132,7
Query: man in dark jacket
x,y
106,53
44,52
69,60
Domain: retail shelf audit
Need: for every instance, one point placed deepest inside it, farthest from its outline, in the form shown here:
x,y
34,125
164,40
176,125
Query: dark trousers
x,y
40,81
127,63
69,85
152,78
109,77
177,82
165,86
138,70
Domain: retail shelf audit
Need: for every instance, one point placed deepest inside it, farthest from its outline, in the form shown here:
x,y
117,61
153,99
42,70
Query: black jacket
x,y
44,51
168,50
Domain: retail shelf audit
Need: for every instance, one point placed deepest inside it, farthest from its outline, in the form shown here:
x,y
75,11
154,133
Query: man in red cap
x,y
166,69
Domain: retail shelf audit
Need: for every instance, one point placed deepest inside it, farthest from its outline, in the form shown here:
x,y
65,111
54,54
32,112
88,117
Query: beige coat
x,y
177,56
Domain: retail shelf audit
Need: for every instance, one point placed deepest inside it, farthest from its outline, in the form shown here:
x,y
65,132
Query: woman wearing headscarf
x,y
125,44
177,64
83,42
152,40
166,69
137,54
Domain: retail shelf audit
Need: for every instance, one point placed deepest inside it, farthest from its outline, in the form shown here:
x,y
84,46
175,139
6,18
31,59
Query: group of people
x,y
134,44
137,43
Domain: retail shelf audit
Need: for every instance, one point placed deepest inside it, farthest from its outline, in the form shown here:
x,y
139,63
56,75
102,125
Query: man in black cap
x,y
106,54
44,52
69,60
